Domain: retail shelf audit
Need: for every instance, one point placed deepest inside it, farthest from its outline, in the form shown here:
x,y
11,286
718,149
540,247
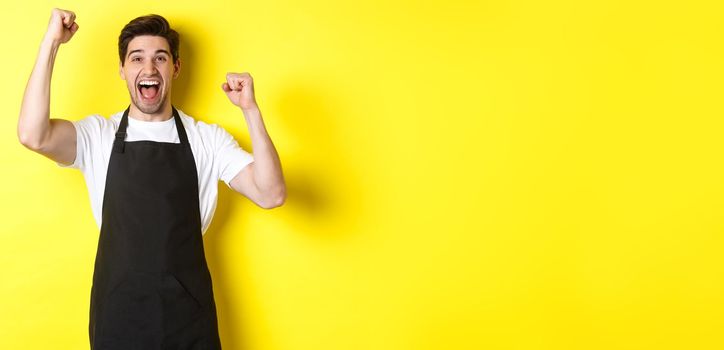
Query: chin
x,y
150,109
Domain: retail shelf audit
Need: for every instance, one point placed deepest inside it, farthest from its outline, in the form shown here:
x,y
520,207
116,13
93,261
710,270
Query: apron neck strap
x,y
180,128
119,142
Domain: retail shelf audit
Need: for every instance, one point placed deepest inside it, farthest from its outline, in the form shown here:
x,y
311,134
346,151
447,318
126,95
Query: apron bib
x,y
151,285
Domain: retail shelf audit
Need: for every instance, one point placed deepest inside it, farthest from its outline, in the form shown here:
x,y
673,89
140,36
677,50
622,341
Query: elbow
x,y
30,141
32,135
275,200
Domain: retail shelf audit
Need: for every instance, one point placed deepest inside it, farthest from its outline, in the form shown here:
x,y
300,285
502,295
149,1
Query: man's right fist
x,y
62,26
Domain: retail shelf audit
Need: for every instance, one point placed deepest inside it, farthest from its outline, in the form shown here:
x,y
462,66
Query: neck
x,y
165,113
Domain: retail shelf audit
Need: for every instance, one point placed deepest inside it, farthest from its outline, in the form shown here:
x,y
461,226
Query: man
x,y
152,174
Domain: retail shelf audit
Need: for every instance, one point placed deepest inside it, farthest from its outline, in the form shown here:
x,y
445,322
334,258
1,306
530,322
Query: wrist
x,y
50,41
250,109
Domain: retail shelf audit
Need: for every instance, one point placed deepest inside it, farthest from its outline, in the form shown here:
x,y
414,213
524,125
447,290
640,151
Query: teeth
x,y
148,82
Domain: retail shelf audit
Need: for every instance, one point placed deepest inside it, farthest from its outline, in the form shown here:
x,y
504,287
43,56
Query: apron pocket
x,y
173,287
181,308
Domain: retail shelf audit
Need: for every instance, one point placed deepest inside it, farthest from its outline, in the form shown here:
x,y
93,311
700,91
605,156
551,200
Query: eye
x,y
135,59
161,58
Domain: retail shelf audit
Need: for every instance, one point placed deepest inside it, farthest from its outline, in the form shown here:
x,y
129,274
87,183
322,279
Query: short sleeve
x,y
230,158
87,133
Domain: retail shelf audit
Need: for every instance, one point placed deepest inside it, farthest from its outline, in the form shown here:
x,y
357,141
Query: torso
x,y
202,138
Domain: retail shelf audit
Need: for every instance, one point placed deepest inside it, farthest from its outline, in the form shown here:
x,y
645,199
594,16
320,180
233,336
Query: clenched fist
x,y
239,88
62,26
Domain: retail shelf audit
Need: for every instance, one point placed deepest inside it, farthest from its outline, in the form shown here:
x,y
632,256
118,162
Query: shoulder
x,y
115,118
97,120
96,123
92,121
212,134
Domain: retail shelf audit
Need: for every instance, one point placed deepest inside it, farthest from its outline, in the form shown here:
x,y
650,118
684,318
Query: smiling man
x,y
152,174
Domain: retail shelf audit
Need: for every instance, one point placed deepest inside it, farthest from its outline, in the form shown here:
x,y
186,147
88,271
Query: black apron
x,y
151,285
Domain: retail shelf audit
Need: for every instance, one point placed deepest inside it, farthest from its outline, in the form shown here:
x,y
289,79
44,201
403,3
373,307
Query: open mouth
x,y
148,89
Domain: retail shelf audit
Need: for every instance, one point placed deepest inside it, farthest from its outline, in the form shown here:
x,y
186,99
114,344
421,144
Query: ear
x,y
176,68
120,70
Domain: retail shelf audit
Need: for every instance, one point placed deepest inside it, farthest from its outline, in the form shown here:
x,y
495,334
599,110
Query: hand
x,y
62,26
239,88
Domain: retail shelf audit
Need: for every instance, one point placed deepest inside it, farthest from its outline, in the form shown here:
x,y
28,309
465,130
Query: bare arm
x,y
53,138
261,181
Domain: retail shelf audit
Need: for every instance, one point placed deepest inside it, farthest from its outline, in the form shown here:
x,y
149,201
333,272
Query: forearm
x,y
267,166
33,123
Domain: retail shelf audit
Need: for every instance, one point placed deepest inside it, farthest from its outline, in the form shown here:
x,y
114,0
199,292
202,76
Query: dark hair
x,y
147,25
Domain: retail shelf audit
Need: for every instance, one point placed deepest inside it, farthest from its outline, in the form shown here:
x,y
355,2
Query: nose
x,y
149,67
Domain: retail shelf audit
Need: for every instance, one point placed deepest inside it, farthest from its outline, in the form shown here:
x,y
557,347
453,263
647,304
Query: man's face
x,y
148,69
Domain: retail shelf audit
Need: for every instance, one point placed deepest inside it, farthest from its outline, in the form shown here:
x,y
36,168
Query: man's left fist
x,y
239,88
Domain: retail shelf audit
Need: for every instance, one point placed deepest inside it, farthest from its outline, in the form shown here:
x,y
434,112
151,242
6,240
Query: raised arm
x,y
53,138
262,180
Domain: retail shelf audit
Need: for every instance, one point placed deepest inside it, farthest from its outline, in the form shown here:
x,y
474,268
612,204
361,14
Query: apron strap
x,y
180,129
120,140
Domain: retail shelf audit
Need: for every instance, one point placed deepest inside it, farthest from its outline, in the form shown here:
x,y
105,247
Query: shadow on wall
x,y
185,80
325,189
304,112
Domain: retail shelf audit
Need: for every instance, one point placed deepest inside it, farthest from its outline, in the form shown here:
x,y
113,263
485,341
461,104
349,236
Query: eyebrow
x,y
157,51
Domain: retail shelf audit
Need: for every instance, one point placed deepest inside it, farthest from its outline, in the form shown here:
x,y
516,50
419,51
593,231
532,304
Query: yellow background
x,y
461,174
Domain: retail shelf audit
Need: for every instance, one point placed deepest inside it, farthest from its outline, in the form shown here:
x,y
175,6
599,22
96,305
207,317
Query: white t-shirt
x,y
217,154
